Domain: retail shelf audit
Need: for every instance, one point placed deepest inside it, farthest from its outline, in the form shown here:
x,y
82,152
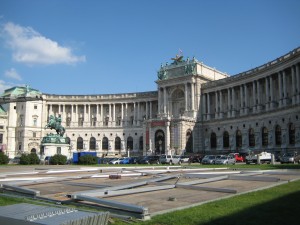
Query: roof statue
x,y
178,58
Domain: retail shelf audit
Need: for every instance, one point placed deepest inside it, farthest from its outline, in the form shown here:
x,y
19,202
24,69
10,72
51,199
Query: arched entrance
x,y
33,150
159,142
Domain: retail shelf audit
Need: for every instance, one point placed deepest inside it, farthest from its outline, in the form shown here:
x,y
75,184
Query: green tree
x,y
58,159
87,160
3,158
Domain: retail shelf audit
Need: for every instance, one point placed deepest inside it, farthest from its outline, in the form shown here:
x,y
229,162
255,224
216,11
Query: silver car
x,y
208,159
225,160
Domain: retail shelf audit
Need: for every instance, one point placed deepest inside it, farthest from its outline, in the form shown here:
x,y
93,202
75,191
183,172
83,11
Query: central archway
x,y
159,142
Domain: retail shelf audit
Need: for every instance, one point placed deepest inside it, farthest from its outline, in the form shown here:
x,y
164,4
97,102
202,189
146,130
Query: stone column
x,y
150,113
204,107
216,105
192,97
147,110
122,114
267,93
114,115
159,101
165,101
233,102
294,94
221,105
246,100
271,93
186,96
134,113
126,114
208,107
241,100
298,84
76,114
284,88
138,113
228,103
280,89
254,97
258,97
102,115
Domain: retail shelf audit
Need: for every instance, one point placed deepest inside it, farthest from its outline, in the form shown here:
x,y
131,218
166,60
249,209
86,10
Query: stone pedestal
x,y
54,144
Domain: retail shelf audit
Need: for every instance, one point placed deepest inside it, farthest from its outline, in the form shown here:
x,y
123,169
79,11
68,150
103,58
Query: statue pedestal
x,y
54,144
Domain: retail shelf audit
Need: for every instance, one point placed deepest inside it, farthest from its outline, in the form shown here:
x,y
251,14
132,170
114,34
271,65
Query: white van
x,y
170,159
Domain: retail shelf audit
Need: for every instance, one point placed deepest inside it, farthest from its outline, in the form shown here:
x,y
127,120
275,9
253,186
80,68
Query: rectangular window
x,y
1,127
58,150
35,106
1,138
34,134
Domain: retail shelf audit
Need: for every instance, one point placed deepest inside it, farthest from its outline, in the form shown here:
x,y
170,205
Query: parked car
x,y
169,159
15,160
195,158
225,160
237,156
125,160
290,158
208,159
184,159
115,161
150,160
264,157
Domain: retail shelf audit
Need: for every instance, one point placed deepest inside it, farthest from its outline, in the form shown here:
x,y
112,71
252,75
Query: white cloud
x,y
30,47
12,73
4,86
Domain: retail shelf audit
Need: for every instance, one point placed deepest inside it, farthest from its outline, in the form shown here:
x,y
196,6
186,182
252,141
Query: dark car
x,y
150,160
290,158
195,158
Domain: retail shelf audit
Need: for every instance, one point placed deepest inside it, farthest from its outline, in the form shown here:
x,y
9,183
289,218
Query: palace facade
x,y
195,109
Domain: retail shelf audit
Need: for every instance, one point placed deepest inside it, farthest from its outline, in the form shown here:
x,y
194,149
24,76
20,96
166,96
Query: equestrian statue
x,y
55,123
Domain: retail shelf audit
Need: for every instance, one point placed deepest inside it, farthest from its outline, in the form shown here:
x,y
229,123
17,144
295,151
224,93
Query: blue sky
x,y
105,47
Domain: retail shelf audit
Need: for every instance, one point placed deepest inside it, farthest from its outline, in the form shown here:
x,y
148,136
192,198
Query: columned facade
x,y
196,109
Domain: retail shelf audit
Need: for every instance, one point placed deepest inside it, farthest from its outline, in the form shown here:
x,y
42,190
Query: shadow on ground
x,y
284,210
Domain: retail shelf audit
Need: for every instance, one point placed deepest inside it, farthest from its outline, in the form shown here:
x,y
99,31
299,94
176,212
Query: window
x,y
68,121
1,127
105,143
129,143
117,143
238,139
291,134
34,122
251,138
278,135
92,143
79,143
141,143
33,134
1,138
213,140
226,139
80,122
58,150
35,106
264,136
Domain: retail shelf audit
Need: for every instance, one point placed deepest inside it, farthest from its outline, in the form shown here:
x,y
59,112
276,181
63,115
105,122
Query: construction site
x,y
139,192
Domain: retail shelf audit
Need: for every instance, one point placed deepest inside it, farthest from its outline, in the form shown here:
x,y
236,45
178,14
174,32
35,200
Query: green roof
x,y
20,91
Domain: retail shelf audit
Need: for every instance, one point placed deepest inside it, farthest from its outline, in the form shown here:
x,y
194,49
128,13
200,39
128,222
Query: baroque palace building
x,y
196,109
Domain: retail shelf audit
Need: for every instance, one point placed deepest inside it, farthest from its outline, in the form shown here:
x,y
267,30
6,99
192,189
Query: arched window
x,y
264,136
129,143
92,143
238,139
141,143
189,141
117,143
213,140
105,143
251,138
278,135
225,139
79,143
291,134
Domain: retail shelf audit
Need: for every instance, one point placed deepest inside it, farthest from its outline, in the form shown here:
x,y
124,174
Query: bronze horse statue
x,y
55,123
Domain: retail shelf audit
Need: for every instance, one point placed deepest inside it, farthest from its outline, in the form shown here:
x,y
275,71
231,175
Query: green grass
x,y
277,205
